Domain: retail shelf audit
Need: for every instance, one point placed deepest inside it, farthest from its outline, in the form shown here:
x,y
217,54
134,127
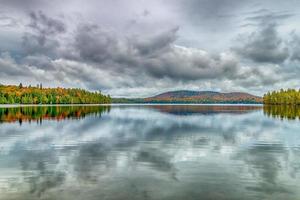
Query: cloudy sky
x,y
138,48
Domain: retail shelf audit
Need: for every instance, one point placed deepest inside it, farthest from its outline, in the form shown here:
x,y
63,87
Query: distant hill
x,y
188,96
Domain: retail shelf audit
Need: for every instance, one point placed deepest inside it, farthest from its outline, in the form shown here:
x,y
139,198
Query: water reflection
x,y
144,152
282,111
205,109
39,113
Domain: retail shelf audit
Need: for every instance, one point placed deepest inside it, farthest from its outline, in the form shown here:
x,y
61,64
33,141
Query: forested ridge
x,y
11,94
282,97
201,97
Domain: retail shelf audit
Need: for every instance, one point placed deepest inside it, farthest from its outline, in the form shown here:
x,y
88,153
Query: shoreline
x,y
128,104
44,105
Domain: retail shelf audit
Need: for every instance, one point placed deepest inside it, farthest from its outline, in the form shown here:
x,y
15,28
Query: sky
x,y
140,48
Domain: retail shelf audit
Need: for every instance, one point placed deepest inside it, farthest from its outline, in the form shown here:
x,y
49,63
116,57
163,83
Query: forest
x,y
282,97
11,94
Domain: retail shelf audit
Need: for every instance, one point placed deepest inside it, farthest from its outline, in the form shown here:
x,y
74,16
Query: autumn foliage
x,y
282,97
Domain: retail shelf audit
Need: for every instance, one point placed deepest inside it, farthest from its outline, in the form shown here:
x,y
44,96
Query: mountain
x,y
188,96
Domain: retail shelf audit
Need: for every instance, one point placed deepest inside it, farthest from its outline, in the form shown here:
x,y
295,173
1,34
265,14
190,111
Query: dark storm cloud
x,y
157,55
264,46
38,44
156,44
191,64
46,25
96,44
42,36
41,61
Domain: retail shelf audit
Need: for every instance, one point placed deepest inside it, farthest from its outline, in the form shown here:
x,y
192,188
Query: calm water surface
x,y
149,152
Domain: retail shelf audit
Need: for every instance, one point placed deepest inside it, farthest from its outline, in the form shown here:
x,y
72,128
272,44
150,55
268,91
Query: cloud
x,y
96,45
212,15
265,16
96,57
9,67
46,25
99,45
264,46
183,63
6,21
258,76
156,55
295,46
156,44
25,5
43,35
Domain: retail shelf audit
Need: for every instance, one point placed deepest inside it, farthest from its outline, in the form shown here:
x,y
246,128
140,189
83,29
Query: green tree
x,y
37,95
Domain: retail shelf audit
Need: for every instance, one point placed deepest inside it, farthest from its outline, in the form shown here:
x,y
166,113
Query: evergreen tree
x,y
38,95
282,97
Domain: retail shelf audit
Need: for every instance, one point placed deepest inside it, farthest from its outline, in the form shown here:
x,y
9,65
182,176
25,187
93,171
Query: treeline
x,y
282,97
11,94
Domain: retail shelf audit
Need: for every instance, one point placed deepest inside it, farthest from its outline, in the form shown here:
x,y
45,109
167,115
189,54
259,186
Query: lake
x,y
161,152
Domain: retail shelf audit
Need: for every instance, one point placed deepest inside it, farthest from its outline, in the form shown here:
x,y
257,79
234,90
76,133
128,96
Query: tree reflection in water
x,y
282,111
39,113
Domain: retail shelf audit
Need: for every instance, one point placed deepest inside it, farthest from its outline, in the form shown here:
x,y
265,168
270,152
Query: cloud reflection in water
x,y
153,152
